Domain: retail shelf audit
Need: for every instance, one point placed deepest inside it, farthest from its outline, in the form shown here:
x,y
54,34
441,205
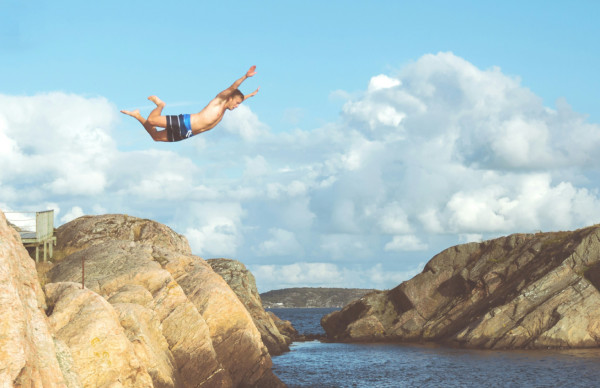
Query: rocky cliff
x,y
27,349
151,314
242,282
521,291
306,297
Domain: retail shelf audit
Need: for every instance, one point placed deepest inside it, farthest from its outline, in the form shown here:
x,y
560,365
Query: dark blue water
x,y
305,320
315,364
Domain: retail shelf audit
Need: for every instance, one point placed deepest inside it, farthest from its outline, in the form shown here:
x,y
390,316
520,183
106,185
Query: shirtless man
x,y
183,126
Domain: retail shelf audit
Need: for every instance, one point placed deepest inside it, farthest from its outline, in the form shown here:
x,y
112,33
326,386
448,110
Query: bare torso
x,y
208,117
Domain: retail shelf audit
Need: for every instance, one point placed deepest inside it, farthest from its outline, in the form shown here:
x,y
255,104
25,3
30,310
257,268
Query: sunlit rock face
x,y
92,230
521,291
100,350
27,350
242,282
196,330
150,313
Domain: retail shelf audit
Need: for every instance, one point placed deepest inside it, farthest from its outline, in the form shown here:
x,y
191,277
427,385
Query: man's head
x,y
235,99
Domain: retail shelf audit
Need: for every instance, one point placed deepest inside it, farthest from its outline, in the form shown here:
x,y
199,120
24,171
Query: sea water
x,y
316,364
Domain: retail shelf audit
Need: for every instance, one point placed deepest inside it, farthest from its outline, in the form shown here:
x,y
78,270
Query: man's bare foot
x,y
135,113
156,100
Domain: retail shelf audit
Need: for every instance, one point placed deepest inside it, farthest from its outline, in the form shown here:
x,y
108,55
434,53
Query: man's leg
x,y
155,118
156,135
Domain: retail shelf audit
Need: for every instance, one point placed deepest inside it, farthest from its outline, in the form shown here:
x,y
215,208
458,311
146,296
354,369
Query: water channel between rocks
x,y
316,364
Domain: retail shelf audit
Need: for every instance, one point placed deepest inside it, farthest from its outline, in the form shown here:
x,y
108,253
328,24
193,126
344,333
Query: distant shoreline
x,y
298,308
312,297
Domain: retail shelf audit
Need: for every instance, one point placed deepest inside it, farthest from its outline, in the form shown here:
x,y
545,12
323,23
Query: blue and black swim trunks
x,y
178,127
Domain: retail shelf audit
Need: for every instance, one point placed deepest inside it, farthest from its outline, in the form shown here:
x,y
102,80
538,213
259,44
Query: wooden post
x,y
82,272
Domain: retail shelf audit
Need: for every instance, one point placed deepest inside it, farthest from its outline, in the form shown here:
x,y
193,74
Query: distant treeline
x,y
312,297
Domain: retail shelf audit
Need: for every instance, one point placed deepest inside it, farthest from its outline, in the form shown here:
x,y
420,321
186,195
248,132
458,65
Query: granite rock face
x,y
150,315
92,230
28,355
187,327
113,270
242,282
101,352
520,291
287,330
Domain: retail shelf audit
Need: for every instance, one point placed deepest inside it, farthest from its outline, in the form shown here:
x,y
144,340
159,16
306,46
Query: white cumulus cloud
x,y
436,153
281,243
216,229
244,123
57,143
75,212
405,243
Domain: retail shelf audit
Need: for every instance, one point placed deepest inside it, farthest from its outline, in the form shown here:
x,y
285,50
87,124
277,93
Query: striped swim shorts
x,y
178,127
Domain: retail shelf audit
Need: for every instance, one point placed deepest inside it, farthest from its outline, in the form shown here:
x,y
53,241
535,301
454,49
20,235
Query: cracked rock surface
x,y
521,291
151,314
242,282
187,326
28,354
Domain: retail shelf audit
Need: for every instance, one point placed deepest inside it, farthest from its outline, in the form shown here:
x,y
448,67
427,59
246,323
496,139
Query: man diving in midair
x,y
183,126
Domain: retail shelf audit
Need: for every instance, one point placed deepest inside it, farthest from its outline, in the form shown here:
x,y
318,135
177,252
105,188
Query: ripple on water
x,y
315,364
328,365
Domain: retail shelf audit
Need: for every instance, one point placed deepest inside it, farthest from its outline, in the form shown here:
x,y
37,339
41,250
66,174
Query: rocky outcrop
x,y
521,291
287,330
242,282
92,230
186,326
113,269
27,350
150,315
101,352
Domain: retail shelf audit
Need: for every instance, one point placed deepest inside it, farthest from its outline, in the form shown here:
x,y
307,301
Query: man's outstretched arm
x,y
247,96
237,83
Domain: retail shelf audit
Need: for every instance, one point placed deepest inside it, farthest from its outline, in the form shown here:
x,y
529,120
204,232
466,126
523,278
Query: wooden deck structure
x,y
36,230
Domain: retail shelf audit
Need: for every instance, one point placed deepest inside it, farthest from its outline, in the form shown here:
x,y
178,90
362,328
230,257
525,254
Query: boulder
x,y
101,353
368,327
286,328
187,326
28,355
143,330
113,269
231,326
242,282
91,230
520,291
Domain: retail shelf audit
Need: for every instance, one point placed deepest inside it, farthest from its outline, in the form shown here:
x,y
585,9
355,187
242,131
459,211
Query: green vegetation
x,y
311,297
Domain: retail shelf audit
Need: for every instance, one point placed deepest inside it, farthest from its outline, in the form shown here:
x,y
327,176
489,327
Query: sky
x,y
383,133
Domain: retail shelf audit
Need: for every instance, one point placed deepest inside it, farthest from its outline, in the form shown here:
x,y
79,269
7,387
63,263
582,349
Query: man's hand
x,y
225,93
251,94
251,72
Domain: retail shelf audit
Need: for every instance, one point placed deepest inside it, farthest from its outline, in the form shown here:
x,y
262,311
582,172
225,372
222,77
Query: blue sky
x,y
383,132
